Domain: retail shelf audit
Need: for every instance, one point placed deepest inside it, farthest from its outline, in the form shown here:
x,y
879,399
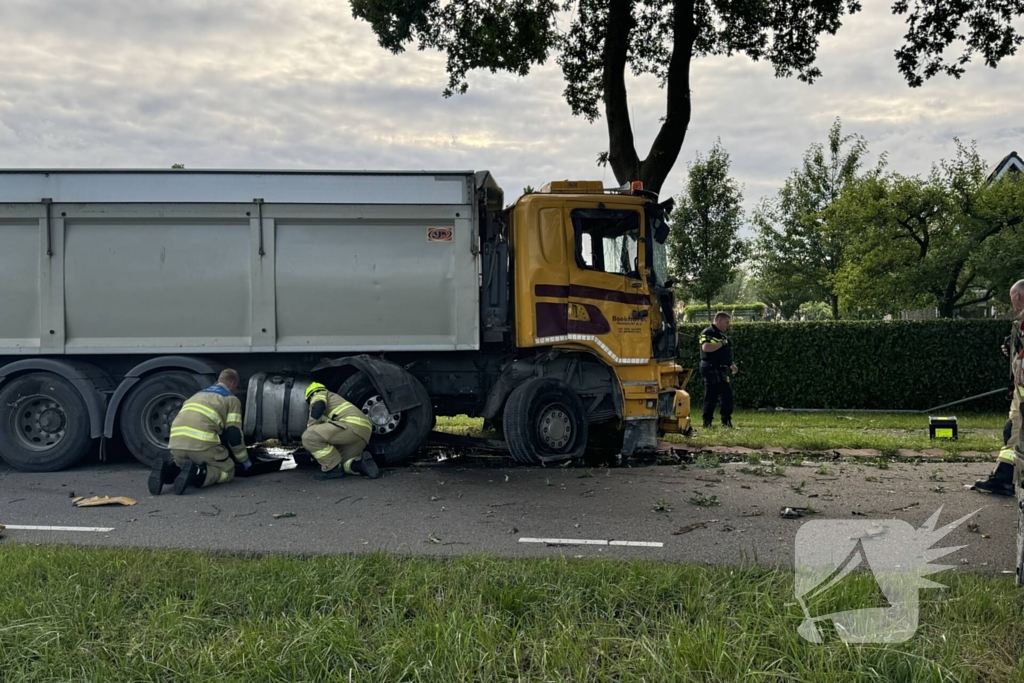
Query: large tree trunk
x,y
834,300
622,154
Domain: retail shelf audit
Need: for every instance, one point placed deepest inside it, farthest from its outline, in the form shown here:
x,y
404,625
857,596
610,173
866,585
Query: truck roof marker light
x,y
636,185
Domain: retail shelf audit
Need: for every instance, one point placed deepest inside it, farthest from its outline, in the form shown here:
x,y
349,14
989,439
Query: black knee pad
x,y
1007,430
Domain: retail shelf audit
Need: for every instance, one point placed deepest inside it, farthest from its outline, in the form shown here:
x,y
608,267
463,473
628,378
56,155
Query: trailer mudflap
x,y
395,383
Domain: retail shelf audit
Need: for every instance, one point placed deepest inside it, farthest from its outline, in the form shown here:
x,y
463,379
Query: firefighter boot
x,y
336,472
1000,482
163,473
193,475
363,465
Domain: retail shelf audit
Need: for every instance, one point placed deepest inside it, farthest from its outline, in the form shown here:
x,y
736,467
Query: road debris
x,y
83,502
794,512
906,507
284,515
972,527
434,539
689,527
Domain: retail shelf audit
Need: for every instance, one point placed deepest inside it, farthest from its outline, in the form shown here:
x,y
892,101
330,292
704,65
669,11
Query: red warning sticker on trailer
x,y
439,234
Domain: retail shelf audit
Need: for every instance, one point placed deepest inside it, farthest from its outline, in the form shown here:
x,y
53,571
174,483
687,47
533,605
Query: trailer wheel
x,y
150,409
44,423
545,422
396,436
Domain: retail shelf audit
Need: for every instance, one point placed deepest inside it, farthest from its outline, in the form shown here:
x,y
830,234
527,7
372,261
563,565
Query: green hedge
x,y
911,365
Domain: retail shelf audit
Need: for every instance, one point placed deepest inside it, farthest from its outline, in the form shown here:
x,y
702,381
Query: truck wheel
x,y
44,423
545,422
396,436
150,409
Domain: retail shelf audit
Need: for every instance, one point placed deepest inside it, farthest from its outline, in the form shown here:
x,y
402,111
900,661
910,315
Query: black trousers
x,y
717,387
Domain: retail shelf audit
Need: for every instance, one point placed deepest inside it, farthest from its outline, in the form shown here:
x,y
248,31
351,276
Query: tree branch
x,y
669,141
622,156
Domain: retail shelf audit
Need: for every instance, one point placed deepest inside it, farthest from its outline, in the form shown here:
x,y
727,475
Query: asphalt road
x,y
481,505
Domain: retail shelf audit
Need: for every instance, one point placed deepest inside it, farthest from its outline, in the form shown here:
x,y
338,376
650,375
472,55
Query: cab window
x,y
607,240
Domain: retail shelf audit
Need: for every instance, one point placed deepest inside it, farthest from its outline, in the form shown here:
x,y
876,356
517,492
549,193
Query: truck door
x,y
609,302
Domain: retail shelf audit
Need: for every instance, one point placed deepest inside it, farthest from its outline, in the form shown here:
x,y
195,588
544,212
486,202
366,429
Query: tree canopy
x,y
704,244
596,42
950,240
801,242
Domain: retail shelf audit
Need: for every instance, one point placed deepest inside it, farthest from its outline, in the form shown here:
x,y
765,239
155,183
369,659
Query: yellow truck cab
x,y
590,277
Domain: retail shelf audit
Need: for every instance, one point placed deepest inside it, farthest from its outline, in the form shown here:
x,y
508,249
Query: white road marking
x,y
639,544
100,529
591,541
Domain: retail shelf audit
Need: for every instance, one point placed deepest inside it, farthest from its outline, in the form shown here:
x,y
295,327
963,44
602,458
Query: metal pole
x,y
878,410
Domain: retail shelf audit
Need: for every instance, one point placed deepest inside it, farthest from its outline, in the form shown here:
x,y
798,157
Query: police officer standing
x,y
717,369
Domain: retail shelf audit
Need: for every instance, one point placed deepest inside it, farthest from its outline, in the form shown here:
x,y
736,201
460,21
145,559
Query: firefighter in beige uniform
x,y
336,435
1001,480
206,427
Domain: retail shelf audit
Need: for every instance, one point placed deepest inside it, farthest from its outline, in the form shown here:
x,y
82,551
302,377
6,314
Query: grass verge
x,y
131,615
886,432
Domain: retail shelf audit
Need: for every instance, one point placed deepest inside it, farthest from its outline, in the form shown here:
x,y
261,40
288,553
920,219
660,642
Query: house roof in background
x,y
1011,162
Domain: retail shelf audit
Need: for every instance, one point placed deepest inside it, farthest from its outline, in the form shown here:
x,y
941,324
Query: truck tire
x,y
149,410
401,436
44,423
545,422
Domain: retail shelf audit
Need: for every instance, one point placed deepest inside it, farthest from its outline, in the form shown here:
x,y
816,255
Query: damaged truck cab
x,y
591,302
414,295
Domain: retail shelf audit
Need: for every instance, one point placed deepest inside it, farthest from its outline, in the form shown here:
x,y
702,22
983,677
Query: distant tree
x,y
704,247
814,310
528,190
950,240
603,40
800,241
177,166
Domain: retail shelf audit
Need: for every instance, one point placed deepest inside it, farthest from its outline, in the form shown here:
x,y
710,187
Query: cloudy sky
x,y
301,84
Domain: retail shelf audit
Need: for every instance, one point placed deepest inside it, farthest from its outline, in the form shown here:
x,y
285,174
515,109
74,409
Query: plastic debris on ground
x,y
94,501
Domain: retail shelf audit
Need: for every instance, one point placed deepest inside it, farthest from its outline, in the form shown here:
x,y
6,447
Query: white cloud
x,y
280,83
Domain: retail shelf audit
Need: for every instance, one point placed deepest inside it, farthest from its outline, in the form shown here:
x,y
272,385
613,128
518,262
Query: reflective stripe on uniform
x,y
357,420
197,434
1006,455
234,418
203,410
323,452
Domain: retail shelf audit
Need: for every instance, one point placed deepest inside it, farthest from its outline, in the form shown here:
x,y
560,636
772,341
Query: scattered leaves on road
x,y
284,515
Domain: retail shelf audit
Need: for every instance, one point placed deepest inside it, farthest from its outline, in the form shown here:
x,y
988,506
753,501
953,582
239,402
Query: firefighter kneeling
x,y
336,434
207,425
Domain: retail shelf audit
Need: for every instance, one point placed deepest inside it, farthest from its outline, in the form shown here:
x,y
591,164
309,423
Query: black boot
x,y
1000,482
365,466
727,423
193,475
163,473
707,424
333,473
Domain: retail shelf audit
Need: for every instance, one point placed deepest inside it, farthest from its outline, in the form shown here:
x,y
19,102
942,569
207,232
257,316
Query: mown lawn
x,y
71,614
886,432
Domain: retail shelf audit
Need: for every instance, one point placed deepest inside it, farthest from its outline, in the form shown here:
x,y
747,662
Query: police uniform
x,y
197,435
715,369
337,433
